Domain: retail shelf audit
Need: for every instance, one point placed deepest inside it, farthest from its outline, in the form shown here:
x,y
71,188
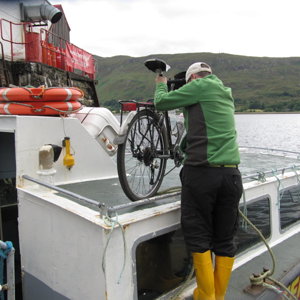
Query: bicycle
x,y
148,144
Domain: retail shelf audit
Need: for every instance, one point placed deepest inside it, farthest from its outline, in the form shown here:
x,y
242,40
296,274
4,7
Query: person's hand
x,y
160,79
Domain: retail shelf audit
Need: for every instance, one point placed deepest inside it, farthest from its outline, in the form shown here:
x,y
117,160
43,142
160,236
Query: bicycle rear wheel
x,y
141,167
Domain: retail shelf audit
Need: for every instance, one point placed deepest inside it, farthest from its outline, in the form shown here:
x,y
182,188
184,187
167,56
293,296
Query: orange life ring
x,y
39,108
40,94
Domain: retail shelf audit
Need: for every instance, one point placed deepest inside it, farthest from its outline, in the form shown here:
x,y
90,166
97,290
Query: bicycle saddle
x,y
156,65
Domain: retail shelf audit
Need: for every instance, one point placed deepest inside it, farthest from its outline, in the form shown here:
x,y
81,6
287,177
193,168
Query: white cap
x,y
196,68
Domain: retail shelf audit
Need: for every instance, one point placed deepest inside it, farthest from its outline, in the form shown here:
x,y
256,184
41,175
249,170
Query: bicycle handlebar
x,y
170,81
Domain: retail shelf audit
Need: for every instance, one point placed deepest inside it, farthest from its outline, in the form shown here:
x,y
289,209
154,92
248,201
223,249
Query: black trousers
x,y
209,208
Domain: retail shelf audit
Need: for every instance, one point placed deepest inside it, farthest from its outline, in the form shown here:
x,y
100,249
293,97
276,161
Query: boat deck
x,y
108,192
287,267
287,257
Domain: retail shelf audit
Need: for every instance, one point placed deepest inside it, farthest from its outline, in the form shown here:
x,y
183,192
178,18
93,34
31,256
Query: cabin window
x,y
289,206
258,212
162,263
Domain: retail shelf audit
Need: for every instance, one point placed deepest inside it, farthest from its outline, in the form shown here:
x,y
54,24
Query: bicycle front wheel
x,y
141,158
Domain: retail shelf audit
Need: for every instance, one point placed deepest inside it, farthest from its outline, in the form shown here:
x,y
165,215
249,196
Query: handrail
x,y
3,68
47,37
63,191
80,59
64,44
282,170
10,39
103,208
114,209
109,211
10,29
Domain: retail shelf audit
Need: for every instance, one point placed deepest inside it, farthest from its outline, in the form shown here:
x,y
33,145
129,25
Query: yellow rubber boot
x,y
204,276
223,267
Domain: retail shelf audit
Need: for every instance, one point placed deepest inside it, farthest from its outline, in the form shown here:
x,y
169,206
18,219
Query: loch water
x,y
259,137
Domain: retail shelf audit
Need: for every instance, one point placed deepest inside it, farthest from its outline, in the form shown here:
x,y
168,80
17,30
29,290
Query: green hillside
x,y
269,84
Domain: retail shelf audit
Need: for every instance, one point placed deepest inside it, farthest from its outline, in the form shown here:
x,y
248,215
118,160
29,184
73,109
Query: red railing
x,y
48,48
9,36
59,53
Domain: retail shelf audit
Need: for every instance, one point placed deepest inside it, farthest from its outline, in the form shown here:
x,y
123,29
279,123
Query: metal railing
x,y
110,210
104,210
44,49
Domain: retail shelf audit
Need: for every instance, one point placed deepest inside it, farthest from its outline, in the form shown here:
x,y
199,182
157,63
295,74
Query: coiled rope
x,y
255,279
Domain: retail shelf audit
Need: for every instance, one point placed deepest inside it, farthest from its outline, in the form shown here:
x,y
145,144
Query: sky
x,y
144,27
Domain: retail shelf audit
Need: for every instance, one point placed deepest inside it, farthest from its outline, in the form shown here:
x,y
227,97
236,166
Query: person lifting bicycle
x,y
211,181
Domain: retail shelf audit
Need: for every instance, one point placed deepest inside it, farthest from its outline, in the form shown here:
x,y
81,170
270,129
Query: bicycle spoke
x,y
142,168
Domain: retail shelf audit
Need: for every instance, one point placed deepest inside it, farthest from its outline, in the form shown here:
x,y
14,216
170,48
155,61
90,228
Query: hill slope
x,y
271,84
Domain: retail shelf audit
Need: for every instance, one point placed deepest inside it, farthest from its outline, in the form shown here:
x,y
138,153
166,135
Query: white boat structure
x,y
77,236
80,237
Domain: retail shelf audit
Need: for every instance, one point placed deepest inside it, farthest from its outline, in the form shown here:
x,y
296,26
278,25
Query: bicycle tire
x,y
140,168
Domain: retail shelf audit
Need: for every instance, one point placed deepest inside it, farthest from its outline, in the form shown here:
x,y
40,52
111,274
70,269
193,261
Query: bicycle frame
x,y
132,105
147,145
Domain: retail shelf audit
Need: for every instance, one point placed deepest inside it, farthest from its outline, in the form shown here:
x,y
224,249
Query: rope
x,y
283,287
255,279
40,94
190,276
265,242
22,104
184,285
111,223
266,274
62,111
244,223
276,290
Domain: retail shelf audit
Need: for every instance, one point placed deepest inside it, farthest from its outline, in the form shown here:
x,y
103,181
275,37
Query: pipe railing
x,y
64,191
104,210
109,211
282,170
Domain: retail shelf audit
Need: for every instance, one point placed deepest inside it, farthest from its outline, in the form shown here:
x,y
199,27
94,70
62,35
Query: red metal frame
x,y
45,37
11,40
45,45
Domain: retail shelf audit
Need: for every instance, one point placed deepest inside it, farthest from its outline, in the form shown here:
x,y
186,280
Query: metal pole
x,y
66,192
270,172
113,209
10,274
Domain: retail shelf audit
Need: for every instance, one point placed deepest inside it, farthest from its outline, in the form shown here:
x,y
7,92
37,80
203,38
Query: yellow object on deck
x,y
69,160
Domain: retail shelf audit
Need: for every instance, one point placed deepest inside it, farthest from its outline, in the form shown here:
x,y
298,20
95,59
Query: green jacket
x,y
208,109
